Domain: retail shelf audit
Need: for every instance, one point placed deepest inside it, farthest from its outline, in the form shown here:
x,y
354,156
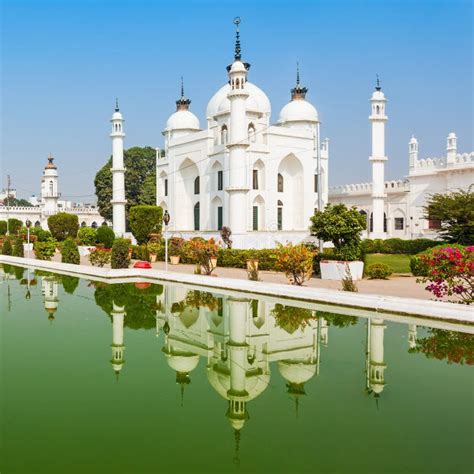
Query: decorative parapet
x,y
440,163
366,188
20,208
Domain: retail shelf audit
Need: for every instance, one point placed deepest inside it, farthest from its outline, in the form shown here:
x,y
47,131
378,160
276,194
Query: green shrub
x,y
14,225
3,227
41,234
418,267
100,257
7,247
296,261
70,252
18,250
145,220
63,225
378,271
397,246
86,236
45,250
105,235
120,257
141,252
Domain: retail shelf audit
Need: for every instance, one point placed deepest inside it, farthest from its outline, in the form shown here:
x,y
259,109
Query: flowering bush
x,y
450,272
201,252
296,261
100,257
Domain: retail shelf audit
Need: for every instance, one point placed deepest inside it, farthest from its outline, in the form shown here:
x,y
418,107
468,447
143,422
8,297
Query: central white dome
x,y
182,120
298,111
257,101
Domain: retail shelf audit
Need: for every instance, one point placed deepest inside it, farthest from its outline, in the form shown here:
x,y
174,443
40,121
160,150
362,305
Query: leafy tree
x,y
11,201
70,283
342,227
455,211
148,191
63,225
140,178
145,220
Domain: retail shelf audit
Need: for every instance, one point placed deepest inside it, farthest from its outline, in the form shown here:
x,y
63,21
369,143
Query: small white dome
x,y
183,120
257,101
181,361
237,423
296,372
237,66
298,111
117,116
378,95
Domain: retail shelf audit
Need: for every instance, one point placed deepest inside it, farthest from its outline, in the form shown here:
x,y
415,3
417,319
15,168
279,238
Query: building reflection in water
x,y
238,338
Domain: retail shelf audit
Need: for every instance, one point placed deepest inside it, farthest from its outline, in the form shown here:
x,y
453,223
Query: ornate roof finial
x,y
237,54
237,447
116,105
50,164
378,87
298,92
182,103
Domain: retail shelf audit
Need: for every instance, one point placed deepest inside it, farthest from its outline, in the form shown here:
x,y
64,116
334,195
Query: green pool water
x,y
138,378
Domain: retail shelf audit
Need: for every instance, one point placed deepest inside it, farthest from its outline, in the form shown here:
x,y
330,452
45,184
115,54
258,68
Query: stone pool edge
x,y
390,304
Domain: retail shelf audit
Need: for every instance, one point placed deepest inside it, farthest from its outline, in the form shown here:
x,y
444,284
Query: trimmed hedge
x,y
105,235
70,252
14,225
3,227
7,247
378,271
120,258
145,220
87,236
18,250
141,252
63,225
395,245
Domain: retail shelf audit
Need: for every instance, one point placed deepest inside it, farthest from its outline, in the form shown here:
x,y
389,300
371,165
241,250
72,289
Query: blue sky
x,y
64,62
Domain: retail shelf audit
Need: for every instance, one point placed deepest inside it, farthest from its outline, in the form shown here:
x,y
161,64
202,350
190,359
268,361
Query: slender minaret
x,y
49,188
238,348
238,187
378,159
118,173
412,336
413,152
375,355
49,287
451,149
118,315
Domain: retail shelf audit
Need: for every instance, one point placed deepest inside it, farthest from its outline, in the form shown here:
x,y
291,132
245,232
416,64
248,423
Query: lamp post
x,y
166,221
28,225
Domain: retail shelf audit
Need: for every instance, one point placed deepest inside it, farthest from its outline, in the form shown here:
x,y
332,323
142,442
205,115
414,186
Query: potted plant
x,y
154,248
252,262
175,249
203,252
342,226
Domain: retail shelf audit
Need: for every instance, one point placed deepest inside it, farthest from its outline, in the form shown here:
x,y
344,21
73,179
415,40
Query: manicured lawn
x,y
398,263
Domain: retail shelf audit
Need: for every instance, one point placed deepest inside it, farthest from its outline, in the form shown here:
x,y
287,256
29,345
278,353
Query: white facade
x,y
396,208
50,204
240,170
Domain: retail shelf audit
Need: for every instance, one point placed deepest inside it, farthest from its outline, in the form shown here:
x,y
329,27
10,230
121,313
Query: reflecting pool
x,y
141,378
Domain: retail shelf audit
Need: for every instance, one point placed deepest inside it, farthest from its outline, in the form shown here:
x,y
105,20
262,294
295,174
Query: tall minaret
x,y
451,149
49,289
378,159
117,361
238,187
375,355
118,173
413,152
49,187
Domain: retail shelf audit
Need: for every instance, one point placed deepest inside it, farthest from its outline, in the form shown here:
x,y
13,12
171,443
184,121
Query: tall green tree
x,y
455,212
140,180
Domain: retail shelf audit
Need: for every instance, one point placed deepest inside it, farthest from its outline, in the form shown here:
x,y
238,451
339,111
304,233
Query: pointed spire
x,y
237,53
237,446
182,103
298,92
182,378
116,105
378,87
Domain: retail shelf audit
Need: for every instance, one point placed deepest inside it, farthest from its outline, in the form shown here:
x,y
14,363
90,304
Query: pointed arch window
x,y
224,135
280,215
196,186
251,132
280,183
50,188
197,212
